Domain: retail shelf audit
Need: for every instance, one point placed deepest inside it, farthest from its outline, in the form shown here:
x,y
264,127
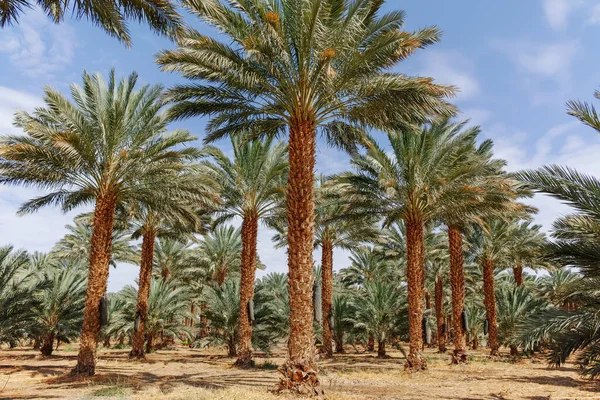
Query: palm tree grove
x,y
280,199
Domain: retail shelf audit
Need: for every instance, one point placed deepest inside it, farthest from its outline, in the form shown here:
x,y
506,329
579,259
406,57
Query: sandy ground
x,y
196,374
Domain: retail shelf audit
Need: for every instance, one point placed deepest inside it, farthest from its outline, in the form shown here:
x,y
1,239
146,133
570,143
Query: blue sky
x,y
517,63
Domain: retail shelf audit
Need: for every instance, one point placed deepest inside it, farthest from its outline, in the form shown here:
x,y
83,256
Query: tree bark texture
x,y
300,370
100,252
148,241
439,314
248,272
457,284
518,272
415,276
327,295
489,293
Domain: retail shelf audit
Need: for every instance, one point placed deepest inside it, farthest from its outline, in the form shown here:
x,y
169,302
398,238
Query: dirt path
x,y
195,374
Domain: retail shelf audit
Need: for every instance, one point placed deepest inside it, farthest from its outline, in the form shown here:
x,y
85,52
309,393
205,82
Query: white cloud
x,y
12,100
37,47
452,68
561,145
594,19
545,68
557,12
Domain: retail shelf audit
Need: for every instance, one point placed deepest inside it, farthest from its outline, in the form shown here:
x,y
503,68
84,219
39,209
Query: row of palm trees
x,y
302,68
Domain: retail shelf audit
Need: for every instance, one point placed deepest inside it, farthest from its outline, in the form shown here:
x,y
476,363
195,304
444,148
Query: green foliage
x,y
111,16
17,295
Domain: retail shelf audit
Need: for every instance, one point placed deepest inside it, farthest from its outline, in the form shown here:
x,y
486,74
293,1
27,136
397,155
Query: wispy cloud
x,y
545,68
557,12
452,68
37,47
12,100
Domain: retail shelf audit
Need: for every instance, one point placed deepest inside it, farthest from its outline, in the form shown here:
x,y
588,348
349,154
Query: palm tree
x,y
253,186
424,174
377,304
110,15
334,230
487,192
59,312
76,244
218,255
528,250
167,308
17,295
222,311
107,147
176,215
302,67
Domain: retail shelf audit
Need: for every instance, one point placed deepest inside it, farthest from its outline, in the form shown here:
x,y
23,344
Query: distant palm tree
x,y
176,215
17,295
59,312
302,67
107,147
425,173
75,245
110,15
377,304
218,255
252,188
167,308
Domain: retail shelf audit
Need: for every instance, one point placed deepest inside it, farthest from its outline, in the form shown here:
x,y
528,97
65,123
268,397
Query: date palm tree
x,y
75,245
111,15
425,173
177,215
59,312
302,67
106,147
252,188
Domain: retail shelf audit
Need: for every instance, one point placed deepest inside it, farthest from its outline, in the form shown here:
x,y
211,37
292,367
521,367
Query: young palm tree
x,y
110,15
219,254
18,286
302,67
424,174
253,186
167,308
59,313
107,147
377,304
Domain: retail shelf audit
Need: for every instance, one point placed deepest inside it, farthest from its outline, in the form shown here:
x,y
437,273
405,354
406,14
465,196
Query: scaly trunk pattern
x,y
48,345
489,293
327,294
137,350
101,241
381,348
248,272
518,272
300,370
415,276
457,283
439,314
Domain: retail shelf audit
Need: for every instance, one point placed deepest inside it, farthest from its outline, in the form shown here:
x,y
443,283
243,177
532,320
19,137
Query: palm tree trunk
x,y
518,272
327,295
101,241
489,293
248,272
48,345
439,314
381,348
457,283
301,220
415,276
137,350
